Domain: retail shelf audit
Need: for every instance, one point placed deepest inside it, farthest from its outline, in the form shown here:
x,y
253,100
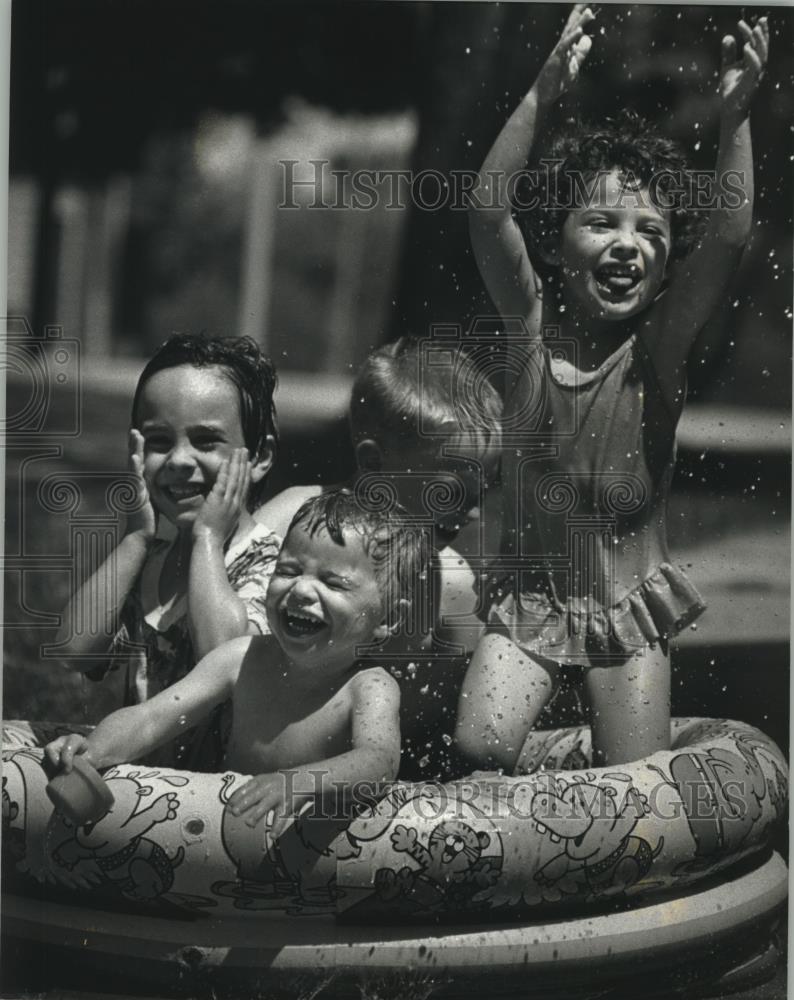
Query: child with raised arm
x,y
203,438
301,703
429,435
594,406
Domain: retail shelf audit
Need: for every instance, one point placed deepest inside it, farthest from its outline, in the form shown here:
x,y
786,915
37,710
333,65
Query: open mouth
x,y
184,492
617,280
301,624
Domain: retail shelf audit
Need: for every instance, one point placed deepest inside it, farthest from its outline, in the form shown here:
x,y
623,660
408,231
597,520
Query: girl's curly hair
x,y
626,142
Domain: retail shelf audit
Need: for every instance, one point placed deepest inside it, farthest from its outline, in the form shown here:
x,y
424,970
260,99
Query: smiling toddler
x,y
307,719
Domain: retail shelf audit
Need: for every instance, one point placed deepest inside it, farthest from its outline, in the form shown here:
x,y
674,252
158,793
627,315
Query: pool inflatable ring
x,y
563,835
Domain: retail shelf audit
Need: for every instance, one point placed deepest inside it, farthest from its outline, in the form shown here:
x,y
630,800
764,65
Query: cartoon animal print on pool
x,y
451,869
141,870
10,809
13,836
778,792
23,777
722,793
593,823
373,823
260,883
296,873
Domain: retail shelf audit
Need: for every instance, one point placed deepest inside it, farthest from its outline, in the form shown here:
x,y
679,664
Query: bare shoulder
x,y
258,648
257,660
278,512
250,650
374,682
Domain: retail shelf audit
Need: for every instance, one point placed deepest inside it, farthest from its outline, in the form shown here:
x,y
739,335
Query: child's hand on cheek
x,y
226,501
144,519
561,69
740,76
262,794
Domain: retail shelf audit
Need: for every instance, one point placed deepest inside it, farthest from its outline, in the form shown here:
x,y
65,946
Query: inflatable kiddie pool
x,y
571,870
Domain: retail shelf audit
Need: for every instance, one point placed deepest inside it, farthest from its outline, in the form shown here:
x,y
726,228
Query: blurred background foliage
x,y
103,89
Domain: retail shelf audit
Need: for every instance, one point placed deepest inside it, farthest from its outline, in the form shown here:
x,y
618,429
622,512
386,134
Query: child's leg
x,y
630,707
503,693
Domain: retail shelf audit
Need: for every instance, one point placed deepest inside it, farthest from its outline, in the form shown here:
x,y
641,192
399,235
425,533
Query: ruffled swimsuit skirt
x,y
585,577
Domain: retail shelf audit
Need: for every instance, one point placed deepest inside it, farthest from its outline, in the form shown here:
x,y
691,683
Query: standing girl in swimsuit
x,y
607,312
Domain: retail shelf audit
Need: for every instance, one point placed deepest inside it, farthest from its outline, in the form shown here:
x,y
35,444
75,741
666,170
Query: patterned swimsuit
x,y
156,650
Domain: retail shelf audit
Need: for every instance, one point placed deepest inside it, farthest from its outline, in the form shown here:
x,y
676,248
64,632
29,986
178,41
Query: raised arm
x,y
93,610
499,247
132,732
702,279
374,757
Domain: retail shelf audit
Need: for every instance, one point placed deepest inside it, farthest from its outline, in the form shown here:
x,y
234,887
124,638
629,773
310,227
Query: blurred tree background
x,y
105,87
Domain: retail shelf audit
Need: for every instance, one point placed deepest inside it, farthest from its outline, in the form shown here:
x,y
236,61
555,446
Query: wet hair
x,y
398,396
627,143
246,367
398,547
